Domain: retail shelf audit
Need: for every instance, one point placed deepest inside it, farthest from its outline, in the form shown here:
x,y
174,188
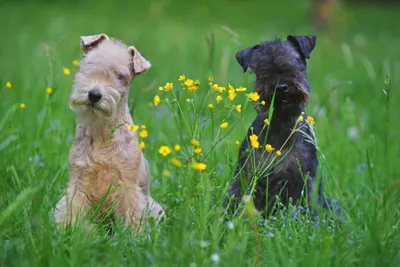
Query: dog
x,y
281,75
106,166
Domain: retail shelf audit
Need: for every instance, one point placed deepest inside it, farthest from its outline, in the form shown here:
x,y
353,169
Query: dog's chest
x,y
106,164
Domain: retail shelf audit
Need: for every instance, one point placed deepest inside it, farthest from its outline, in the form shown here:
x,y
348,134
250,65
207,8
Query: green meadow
x,y
354,73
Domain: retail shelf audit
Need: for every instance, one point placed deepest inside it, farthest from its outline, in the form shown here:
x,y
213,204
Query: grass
x,y
354,105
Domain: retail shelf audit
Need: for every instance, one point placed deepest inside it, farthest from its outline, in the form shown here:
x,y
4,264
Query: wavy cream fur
x,y
101,158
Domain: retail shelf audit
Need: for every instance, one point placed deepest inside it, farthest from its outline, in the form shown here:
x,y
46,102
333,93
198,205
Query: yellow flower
x,y
133,128
224,125
165,173
278,153
192,88
176,162
189,82
254,96
232,94
160,89
188,100
181,78
263,103
269,148
142,145
164,151
237,143
210,106
218,99
302,113
143,127
210,79
177,148
195,142
230,87
168,87
49,90
196,82
254,141
300,118
67,71
199,166
219,89
144,133
22,105
266,121
238,108
198,150
310,119
75,62
156,100
253,137
241,89
8,85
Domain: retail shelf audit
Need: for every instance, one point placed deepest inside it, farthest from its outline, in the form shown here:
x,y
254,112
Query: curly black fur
x,y
280,69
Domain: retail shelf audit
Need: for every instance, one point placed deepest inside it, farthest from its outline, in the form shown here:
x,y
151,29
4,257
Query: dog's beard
x,y
106,108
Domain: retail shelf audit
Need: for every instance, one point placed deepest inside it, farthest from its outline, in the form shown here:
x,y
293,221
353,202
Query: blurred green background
x,y
356,51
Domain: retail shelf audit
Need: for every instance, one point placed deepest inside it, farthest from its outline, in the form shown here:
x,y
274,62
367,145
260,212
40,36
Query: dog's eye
x,y
120,76
282,87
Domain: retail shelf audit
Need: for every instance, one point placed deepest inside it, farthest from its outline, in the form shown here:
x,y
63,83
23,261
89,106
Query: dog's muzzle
x,y
94,96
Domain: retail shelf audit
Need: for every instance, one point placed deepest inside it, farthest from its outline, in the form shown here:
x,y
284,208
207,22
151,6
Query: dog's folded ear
x,y
243,57
91,41
304,44
140,64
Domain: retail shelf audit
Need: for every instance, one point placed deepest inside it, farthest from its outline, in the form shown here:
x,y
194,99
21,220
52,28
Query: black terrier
x,y
291,168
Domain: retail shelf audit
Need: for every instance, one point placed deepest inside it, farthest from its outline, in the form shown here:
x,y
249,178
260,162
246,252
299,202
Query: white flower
x,y
230,225
215,257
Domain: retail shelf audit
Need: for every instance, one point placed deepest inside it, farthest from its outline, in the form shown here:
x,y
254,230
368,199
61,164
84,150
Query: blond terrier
x,y
106,165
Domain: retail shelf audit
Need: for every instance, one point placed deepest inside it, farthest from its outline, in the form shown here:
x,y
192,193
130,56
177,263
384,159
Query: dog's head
x,y
102,84
281,65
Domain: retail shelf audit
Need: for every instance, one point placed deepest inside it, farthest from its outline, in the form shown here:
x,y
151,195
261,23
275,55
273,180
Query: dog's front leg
x,y
71,206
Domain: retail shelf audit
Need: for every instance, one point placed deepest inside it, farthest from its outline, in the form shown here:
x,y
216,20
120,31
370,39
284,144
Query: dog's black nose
x,y
94,96
283,87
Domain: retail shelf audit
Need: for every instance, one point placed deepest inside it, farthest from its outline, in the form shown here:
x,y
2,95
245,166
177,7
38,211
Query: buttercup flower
x,y
168,87
188,100
218,99
237,142
67,71
310,119
156,100
195,142
177,148
266,121
263,103
210,106
176,162
160,89
300,118
241,89
224,125
22,106
238,108
199,166
142,145
278,153
254,141
189,82
143,127
254,96
182,78
8,85
219,89
198,150
232,94
192,88
144,133
133,128
75,63
269,148
196,82
165,173
164,151
49,90
210,80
